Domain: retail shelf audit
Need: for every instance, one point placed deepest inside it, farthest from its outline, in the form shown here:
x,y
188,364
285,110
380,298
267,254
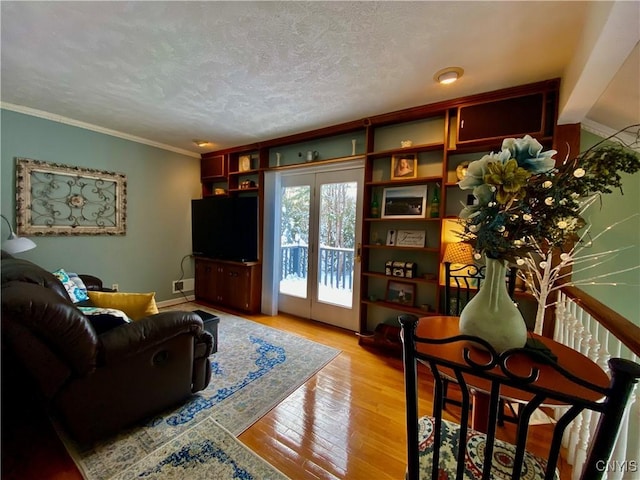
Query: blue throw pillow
x,y
76,293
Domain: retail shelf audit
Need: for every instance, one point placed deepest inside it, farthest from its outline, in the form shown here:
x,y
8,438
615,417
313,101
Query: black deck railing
x,y
335,264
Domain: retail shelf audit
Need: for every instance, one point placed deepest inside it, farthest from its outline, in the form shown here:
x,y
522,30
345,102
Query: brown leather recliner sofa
x,y
96,383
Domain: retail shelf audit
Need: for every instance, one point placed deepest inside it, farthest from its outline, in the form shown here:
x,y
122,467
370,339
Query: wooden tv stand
x,y
236,285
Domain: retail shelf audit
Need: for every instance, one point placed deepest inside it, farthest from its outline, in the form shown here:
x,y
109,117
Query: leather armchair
x,y
97,384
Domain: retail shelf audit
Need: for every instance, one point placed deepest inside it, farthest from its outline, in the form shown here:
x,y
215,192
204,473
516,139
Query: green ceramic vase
x,y
491,313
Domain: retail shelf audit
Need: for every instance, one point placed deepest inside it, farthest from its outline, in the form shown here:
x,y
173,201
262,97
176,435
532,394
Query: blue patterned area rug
x,y
256,367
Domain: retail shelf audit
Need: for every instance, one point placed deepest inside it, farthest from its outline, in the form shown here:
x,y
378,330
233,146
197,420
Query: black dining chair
x,y
434,447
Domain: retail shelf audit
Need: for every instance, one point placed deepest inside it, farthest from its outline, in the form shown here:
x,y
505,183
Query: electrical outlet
x,y
114,286
182,286
178,286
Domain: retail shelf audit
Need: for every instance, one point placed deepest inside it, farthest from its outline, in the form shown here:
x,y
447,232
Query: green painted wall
x,y
624,299
160,186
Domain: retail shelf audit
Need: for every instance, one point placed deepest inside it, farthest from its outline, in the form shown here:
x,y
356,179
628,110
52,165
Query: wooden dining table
x,y
439,327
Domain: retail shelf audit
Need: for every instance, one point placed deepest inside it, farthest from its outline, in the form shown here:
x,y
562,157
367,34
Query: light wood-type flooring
x,y
346,422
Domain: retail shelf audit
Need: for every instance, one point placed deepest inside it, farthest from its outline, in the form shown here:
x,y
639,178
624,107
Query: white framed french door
x,y
319,245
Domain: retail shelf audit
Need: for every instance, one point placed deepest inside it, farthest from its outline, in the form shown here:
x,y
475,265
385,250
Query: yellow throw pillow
x,y
135,305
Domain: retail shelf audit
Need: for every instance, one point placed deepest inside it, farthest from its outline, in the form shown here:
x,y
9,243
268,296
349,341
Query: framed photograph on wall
x,y
400,292
404,202
404,166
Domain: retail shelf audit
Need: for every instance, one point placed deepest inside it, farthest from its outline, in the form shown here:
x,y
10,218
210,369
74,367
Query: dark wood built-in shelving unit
x,y
444,134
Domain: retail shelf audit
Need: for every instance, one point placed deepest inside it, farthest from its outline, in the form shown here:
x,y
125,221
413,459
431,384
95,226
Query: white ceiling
x,y
235,73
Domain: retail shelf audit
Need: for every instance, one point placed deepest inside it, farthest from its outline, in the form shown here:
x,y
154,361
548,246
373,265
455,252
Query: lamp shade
x,y
458,252
16,244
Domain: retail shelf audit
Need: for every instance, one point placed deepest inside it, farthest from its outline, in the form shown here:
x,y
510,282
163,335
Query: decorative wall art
x,y
404,166
404,202
55,199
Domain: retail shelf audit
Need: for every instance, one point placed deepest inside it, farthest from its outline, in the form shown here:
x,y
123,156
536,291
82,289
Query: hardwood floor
x,y
346,422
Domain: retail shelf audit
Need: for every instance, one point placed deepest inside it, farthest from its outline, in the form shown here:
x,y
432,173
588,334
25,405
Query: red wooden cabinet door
x,y
502,118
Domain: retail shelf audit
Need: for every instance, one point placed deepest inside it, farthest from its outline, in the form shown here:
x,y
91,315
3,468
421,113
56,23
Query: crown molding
x,y
606,132
95,128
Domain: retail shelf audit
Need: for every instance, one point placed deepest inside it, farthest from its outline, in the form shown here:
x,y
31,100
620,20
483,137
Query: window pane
x,y
337,227
294,240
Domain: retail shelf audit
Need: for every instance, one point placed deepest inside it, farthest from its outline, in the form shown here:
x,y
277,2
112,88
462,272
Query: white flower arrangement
x,y
528,208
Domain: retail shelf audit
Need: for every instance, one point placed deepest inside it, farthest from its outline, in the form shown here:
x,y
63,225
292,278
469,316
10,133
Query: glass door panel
x,y
336,259
296,196
319,240
294,235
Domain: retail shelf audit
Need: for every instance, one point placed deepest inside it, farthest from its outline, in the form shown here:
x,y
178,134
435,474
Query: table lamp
x,y
458,252
16,244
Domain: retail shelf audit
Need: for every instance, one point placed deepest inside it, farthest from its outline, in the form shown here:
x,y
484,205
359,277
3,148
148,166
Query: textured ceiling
x,y
236,73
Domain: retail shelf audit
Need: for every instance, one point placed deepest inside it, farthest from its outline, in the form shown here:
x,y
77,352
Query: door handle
x,y
359,253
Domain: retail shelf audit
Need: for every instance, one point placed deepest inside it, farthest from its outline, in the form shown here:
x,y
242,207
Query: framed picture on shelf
x,y
391,238
404,202
244,163
411,238
400,292
404,166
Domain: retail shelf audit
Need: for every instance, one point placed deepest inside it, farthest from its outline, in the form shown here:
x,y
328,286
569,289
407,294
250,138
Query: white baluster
x,y
603,351
593,351
584,436
579,436
561,317
579,427
574,438
633,436
561,312
594,345
569,438
568,326
585,336
569,329
616,348
620,452
569,320
576,329
578,332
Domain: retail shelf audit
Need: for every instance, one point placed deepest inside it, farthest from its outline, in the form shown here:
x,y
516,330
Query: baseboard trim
x,y
175,301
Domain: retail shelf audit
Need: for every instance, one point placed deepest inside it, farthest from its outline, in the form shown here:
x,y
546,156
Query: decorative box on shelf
x,y
400,269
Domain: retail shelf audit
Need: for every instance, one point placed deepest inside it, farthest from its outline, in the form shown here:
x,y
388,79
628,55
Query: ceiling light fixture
x,y
201,143
448,75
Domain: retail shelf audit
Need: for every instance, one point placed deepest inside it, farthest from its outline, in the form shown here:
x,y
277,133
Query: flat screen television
x,y
225,228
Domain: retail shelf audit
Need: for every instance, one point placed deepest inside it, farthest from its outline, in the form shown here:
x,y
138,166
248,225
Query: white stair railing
x,y
577,329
